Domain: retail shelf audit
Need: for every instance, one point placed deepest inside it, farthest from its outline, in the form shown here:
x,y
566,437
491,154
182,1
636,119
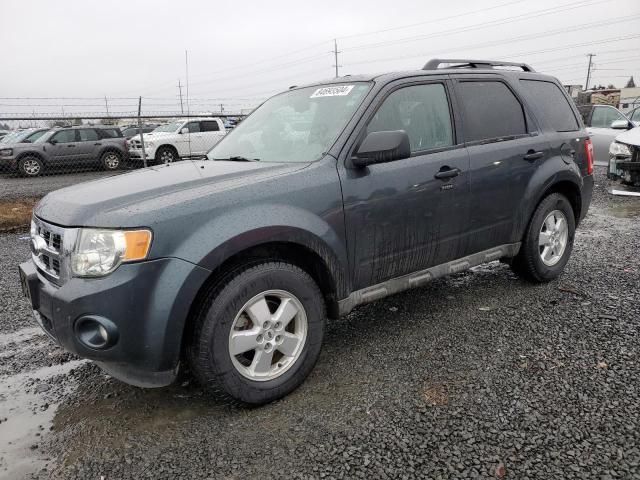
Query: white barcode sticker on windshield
x,y
337,91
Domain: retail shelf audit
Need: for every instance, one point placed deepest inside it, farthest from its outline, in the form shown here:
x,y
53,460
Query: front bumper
x,y
136,153
625,168
8,163
148,302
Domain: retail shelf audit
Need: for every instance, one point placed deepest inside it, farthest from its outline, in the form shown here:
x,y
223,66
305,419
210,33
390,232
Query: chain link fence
x,y
37,160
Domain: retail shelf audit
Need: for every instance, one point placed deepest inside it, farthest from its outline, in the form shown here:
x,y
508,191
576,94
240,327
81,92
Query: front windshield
x,y
169,127
10,138
295,126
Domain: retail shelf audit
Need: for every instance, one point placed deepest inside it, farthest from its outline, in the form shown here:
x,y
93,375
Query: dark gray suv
x,y
326,197
66,148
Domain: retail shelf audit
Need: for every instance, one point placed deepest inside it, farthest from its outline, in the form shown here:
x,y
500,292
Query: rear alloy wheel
x,y
111,160
166,155
30,166
548,241
258,333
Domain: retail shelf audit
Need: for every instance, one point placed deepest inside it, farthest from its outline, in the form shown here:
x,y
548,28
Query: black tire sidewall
x,y
214,335
539,270
21,166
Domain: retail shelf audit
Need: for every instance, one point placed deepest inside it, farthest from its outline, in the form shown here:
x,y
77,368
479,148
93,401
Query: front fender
x,y
549,173
229,234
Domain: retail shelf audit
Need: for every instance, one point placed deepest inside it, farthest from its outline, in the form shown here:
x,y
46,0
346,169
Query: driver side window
x,y
65,136
603,117
420,110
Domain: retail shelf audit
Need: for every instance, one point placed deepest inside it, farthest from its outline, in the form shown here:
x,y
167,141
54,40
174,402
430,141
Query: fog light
x,y
97,333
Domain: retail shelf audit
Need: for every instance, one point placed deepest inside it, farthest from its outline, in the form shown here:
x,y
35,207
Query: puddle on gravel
x,y
26,415
625,210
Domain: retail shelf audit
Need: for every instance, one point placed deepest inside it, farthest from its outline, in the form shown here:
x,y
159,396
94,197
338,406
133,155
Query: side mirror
x,y
53,141
382,147
184,130
620,125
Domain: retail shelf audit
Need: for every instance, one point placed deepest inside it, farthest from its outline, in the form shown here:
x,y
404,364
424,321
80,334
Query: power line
x,y
482,25
427,22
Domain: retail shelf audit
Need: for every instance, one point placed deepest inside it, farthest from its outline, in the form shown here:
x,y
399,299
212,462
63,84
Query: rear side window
x,y
491,111
110,133
88,135
209,126
549,103
420,110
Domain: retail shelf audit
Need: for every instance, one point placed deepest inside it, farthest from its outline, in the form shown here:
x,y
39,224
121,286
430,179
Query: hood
x,y
630,137
152,135
135,199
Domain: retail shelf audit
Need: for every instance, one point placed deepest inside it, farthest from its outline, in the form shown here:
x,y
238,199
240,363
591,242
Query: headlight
x,y
99,252
619,150
6,152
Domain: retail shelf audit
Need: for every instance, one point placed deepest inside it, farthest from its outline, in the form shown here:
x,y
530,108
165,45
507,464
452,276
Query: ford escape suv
x,y
326,197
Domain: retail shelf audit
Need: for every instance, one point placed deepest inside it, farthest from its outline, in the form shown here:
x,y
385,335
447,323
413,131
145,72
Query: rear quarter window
x,y
110,132
551,105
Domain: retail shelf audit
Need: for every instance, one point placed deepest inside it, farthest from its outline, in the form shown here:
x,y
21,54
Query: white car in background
x,y
604,123
186,138
624,157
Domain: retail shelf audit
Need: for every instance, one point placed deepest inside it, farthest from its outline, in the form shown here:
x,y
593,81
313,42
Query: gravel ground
x,y
13,186
478,375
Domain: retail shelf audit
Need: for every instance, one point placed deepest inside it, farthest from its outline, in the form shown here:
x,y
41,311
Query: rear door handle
x,y
447,172
532,155
69,146
97,144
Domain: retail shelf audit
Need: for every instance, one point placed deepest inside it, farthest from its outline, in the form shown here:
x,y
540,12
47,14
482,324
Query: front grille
x,y
47,249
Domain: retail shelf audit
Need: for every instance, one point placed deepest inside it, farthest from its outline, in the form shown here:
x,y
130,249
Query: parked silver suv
x,y
67,147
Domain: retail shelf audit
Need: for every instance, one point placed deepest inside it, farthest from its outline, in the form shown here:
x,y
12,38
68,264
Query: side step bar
x,y
416,279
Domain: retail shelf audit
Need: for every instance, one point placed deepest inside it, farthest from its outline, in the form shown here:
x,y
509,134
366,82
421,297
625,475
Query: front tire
x,y
30,166
548,241
259,333
166,155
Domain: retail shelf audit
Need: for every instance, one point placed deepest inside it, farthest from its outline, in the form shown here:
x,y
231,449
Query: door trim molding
x,y
419,278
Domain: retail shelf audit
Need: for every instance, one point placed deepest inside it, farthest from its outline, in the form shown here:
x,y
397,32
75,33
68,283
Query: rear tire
x,y
258,334
111,161
30,166
548,241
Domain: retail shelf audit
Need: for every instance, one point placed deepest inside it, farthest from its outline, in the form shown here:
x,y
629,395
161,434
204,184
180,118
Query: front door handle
x,y
69,146
447,172
533,155
97,144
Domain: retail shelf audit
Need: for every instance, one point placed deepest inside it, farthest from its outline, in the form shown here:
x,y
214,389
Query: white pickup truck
x,y
185,138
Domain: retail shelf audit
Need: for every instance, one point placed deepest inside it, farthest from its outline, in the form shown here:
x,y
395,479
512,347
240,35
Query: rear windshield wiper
x,y
238,158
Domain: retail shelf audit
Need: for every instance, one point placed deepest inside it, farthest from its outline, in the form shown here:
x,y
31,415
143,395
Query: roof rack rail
x,y
464,63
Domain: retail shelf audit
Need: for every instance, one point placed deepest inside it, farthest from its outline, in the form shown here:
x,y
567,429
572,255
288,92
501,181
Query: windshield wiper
x,y
238,158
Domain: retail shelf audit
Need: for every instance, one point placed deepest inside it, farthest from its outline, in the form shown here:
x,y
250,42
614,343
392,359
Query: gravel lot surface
x,y
478,375
14,186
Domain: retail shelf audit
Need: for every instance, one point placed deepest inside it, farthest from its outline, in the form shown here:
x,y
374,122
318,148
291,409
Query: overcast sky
x,y
240,52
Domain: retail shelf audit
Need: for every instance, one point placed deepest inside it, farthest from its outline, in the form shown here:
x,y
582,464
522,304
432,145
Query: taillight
x,y
588,147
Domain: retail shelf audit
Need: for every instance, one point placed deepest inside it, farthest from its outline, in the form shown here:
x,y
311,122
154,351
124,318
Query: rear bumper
x,y
146,303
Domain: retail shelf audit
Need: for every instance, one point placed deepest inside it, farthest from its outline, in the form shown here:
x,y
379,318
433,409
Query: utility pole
x,y
144,155
590,55
106,105
221,108
180,90
335,54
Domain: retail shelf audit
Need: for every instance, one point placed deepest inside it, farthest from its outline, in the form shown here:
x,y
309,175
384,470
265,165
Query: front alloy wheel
x,y
268,335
